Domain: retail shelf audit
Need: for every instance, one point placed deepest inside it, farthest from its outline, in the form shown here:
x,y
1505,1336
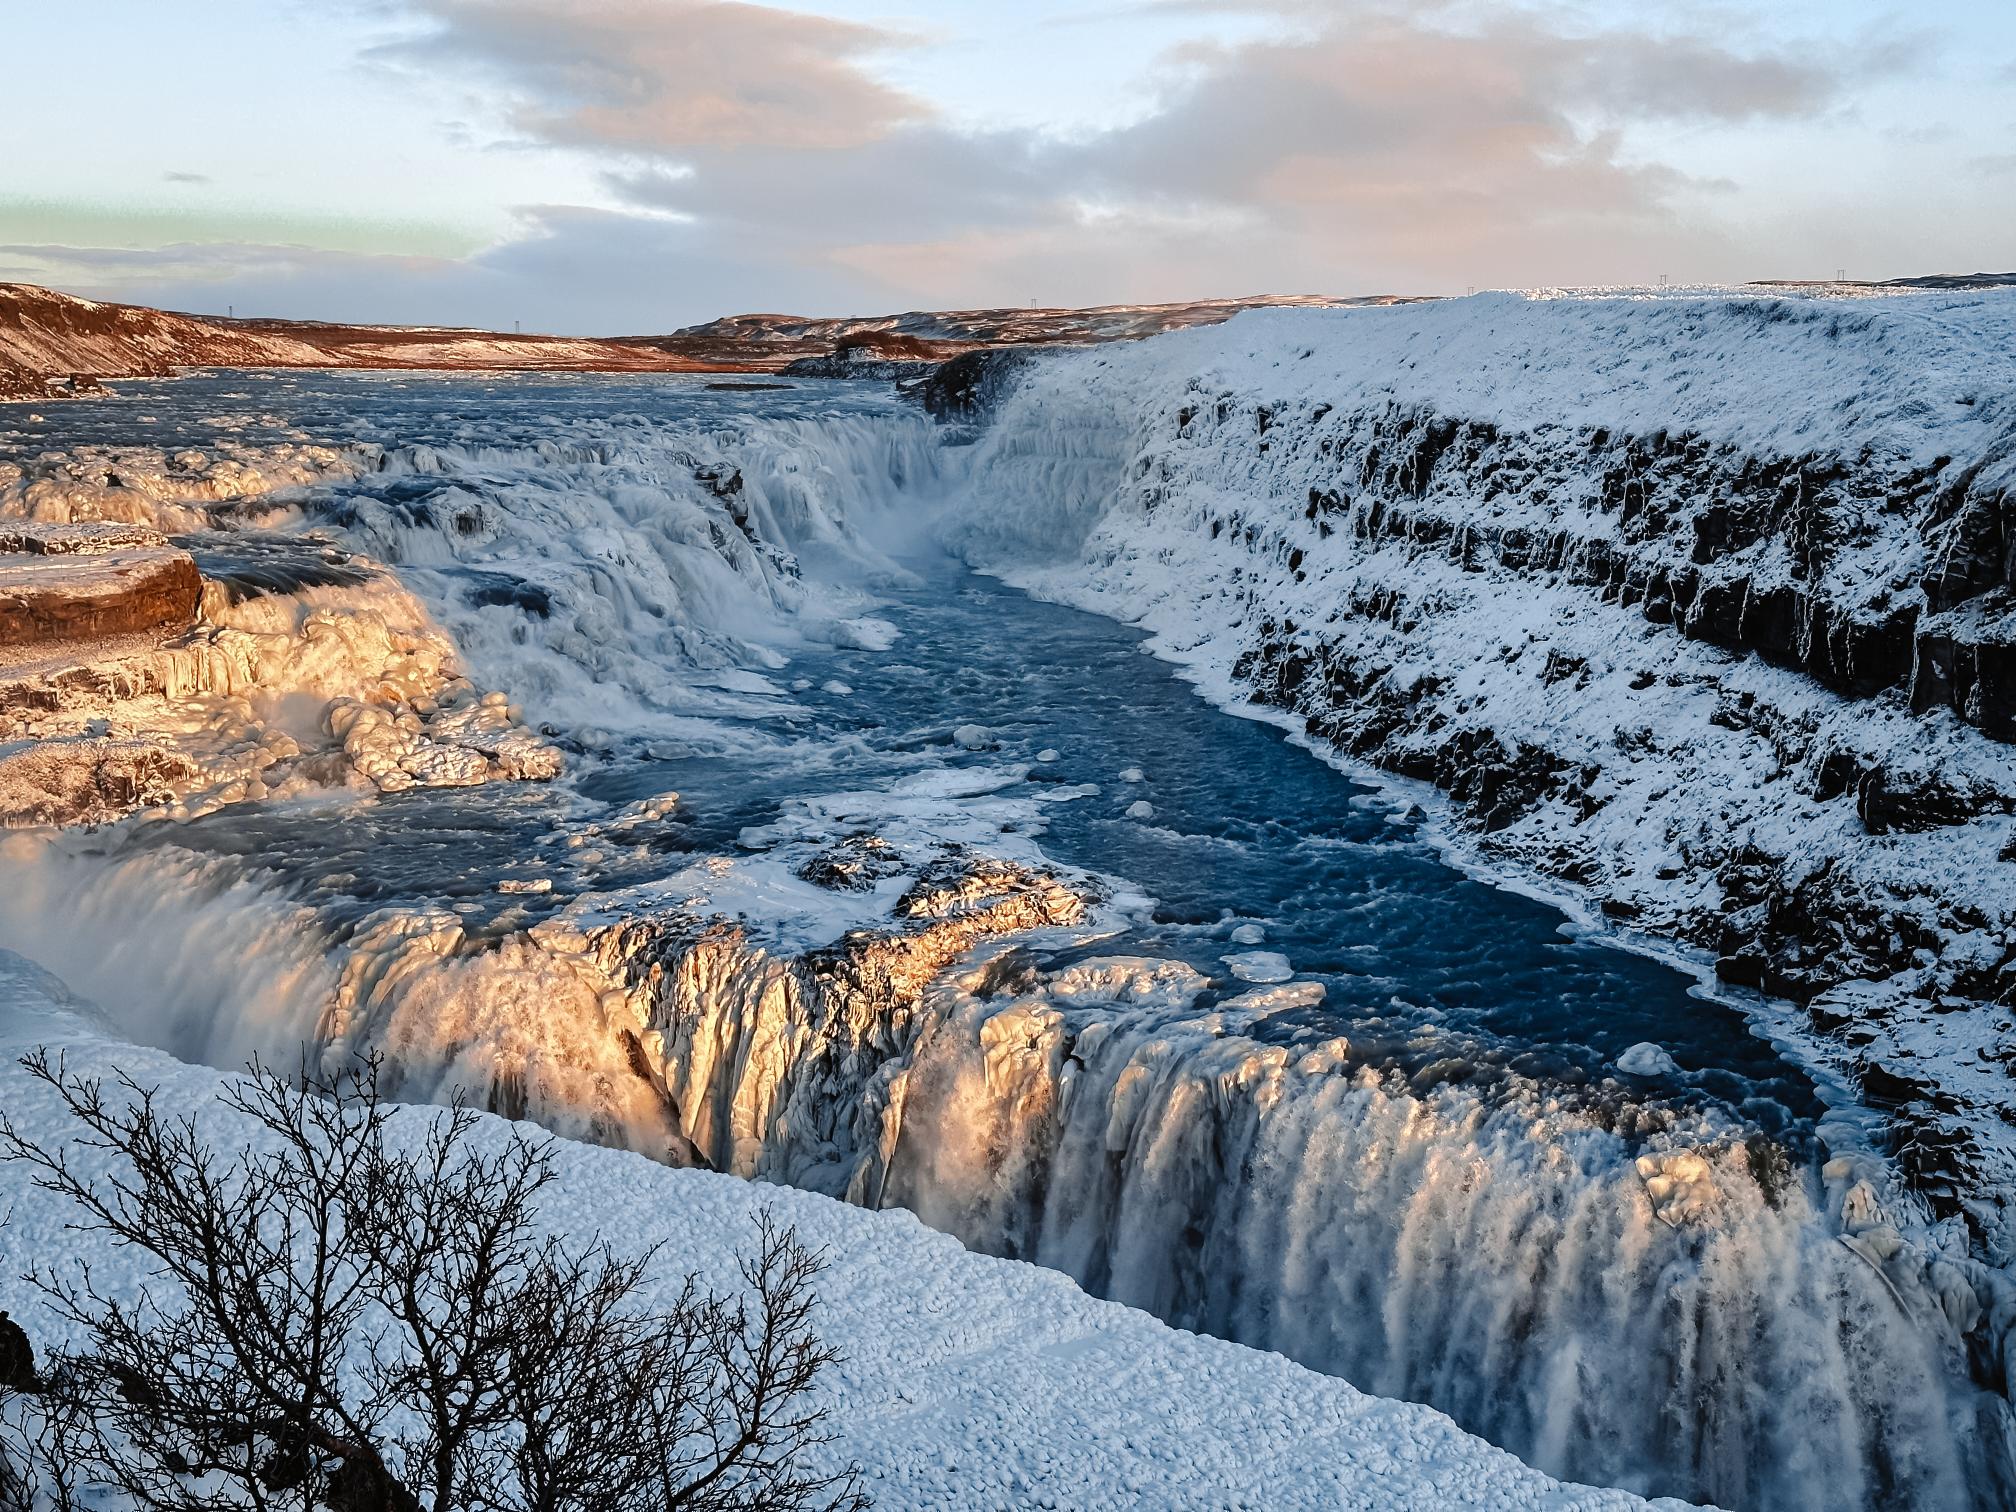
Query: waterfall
x,y
1676,1315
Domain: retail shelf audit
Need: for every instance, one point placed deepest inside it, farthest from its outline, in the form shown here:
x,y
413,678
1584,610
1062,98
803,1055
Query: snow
x,y
966,1381
1095,1116
1919,374
1646,1059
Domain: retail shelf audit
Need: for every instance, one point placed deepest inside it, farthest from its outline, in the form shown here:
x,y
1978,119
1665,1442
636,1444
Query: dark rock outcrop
x,y
970,387
17,1357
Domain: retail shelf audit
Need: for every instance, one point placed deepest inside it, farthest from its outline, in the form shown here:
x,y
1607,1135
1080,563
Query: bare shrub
x,y
337,1320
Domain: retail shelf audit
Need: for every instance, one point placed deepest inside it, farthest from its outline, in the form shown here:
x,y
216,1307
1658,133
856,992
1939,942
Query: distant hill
x,y
46,337
1920,281
949,332
1953,281
50,341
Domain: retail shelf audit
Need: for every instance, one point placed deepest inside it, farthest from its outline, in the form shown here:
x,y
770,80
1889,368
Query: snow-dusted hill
x,y
47,335
1009,325
1701,604
50,339
966,1382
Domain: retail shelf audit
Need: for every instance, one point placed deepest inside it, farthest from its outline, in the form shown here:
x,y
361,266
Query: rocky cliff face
x,y
1701,607
79,582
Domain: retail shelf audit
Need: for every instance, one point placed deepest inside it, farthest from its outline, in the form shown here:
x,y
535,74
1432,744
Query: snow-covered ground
x,y
967,1381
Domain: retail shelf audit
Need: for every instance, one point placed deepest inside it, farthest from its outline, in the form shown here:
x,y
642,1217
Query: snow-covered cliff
x,y
1699,604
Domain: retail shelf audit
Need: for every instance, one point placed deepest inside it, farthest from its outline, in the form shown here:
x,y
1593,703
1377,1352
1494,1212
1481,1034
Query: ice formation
x,y
272,697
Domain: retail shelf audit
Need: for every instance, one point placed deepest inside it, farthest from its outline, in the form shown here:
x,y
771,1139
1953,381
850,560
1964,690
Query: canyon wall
x,y
1700,607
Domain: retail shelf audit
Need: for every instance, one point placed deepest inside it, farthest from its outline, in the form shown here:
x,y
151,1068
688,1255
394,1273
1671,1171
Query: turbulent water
x,y
1451,1145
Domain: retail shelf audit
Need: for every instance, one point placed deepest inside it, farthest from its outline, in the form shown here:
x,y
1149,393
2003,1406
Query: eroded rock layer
x,y
80,582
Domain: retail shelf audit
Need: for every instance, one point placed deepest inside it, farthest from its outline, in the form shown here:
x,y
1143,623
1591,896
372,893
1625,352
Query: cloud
x,y
257,277
657,76
914,182
1374,148
1392,145
754,157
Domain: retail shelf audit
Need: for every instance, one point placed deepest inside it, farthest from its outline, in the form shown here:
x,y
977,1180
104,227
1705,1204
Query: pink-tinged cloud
x,y
664,76
763,163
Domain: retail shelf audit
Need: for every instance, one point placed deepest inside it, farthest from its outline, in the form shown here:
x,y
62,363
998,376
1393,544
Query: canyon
x,y
647,759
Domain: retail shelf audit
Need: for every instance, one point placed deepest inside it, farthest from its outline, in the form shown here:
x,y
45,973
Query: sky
x,y
631,166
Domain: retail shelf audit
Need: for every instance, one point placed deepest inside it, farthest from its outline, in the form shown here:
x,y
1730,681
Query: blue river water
x,y
1423,966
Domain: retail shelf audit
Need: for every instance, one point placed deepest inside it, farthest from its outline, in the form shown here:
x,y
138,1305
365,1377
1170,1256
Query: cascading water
x,y
1420,1163
1682,1321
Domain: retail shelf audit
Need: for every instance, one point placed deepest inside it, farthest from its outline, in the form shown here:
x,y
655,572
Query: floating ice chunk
x,y
834,685
1144,980
742,680
1259,966
801,684
864,634
1048,753
1646,1059
1141,809
972,737
1277,999
1133,774
951,782
647,810
525,885
1248,934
